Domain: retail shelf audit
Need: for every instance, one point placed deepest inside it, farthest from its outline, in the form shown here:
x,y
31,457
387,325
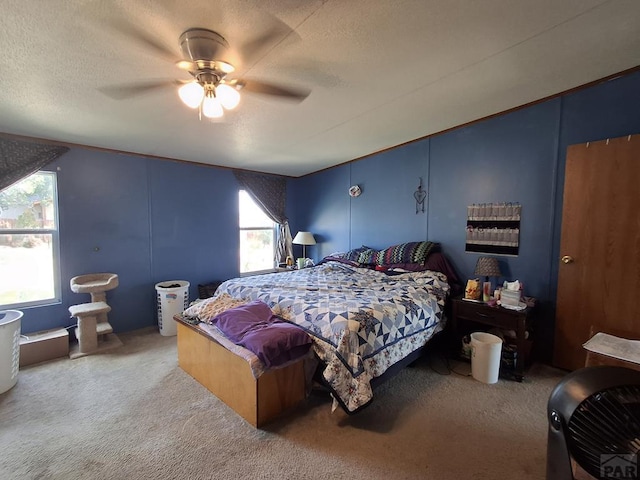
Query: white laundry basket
x,y
486,350
9,348
173,298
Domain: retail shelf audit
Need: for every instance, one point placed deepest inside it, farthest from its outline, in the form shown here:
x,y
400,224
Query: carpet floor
x,y
132,413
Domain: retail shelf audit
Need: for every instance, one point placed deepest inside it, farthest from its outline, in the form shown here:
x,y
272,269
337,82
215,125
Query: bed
x,y
364,318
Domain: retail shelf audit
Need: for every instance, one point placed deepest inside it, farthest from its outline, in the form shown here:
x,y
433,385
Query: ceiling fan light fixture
x,y
191,94
211,107
229,97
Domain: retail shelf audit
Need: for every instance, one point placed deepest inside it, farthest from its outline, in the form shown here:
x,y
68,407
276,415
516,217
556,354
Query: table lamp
x,y
487,267
304,239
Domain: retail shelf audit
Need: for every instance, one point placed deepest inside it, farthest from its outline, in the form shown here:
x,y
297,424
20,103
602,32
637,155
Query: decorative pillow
x,y
255,327
354,254
236,322
436,262
278,343
331,258
367,257
410,252
207,309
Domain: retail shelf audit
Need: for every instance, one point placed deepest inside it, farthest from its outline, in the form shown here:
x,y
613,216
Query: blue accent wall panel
x,y
194,223
385,213
509,158
148,220
320,204
104,227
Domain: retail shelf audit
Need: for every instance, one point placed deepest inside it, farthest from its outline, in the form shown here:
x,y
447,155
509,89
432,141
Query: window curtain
x,y
19,159
269,192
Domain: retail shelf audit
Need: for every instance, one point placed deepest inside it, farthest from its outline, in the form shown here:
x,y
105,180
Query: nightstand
x,y
467,315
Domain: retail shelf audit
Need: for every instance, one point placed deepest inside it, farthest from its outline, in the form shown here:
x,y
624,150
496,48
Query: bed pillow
x,y
409,252
338,258
367,257
278,343
358,257
436,262
354,255
256,328
236,322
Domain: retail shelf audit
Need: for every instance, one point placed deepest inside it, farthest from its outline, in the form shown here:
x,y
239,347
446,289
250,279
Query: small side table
x,y
595,358
499,317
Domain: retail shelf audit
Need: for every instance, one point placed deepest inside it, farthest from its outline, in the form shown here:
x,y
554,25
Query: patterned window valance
x,y
269,192
19,159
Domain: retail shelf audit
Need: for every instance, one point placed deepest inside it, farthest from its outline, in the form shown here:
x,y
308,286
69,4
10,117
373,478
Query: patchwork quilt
x,y
362,321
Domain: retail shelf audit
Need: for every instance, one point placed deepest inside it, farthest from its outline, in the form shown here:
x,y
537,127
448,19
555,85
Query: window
x,y
29,242
257,237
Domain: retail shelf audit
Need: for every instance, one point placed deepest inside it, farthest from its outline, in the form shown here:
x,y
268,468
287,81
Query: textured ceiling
x,y
381,73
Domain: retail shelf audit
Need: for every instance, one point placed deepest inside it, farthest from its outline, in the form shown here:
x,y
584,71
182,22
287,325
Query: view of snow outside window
x,y
257,237
28,238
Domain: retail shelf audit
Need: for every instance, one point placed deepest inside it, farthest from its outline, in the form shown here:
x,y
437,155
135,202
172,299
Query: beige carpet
x,y
132,413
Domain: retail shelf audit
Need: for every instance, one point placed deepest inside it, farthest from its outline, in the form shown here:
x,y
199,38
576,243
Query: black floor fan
x,y
594,419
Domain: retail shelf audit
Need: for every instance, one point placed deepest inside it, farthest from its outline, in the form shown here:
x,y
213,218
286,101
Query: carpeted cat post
x,y
94,332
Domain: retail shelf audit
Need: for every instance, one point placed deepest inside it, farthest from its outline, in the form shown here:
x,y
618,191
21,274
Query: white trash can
x,y
9,348
173,298
486,350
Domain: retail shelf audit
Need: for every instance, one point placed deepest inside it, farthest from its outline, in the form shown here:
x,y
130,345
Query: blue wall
x,y
320,205
147,220
506,159
515,157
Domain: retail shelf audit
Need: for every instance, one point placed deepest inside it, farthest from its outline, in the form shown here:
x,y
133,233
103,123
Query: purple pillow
x,y
255,327
237,321
277,343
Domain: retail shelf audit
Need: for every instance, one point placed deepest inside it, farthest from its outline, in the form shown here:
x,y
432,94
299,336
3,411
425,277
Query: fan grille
x,y
607,422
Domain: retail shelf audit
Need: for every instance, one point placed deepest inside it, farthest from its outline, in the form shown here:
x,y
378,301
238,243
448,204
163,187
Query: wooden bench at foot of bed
x,y
229,377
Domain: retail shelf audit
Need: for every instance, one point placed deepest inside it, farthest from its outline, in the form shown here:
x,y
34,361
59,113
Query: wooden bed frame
x,y
229,377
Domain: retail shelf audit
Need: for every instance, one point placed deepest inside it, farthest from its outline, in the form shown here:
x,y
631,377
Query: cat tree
x,y
94,332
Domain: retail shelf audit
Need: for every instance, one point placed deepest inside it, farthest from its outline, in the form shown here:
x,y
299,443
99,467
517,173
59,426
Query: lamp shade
x,y
488,267
191,94
304,238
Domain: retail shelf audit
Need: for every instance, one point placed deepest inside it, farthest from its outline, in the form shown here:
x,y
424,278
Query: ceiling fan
x,y
212,89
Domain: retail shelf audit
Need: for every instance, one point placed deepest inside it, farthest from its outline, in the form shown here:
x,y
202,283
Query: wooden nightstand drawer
x,y
498,317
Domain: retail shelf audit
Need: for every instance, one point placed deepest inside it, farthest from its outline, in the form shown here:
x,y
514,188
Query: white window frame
x,y
55,249
274,233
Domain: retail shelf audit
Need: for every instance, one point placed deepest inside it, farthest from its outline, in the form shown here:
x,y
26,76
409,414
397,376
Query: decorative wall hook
x,y
420,194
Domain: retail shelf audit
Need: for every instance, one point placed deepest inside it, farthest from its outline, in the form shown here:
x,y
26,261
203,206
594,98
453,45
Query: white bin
x,y
486,350
9,348
173,298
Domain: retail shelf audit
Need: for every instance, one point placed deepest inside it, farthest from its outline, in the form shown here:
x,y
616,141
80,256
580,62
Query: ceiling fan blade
x,y
255,86
256,48
121,92
142,37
